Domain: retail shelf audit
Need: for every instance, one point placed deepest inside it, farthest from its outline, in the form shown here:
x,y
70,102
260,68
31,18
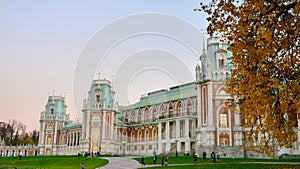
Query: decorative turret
x,y
198,70
99,117
200,66
51,121
55,108
101,95
214,61
218,56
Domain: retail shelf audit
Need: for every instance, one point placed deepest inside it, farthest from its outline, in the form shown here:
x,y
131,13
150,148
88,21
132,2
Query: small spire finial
x,y
203,43
98,76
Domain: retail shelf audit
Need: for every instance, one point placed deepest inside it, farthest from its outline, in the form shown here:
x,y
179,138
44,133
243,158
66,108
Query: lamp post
x,y
176,141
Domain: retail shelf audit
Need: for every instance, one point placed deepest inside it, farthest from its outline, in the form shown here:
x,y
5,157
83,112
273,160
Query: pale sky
x,y
59,45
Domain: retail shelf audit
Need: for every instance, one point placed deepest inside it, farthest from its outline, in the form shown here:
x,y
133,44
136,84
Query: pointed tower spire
x,y
203,45
112,78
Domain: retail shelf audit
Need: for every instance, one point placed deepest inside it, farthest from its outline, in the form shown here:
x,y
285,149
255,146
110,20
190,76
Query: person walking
x,y
82,166
154,159
20,155
143,161
204,155
163,161
195,159
218,157
166,160
213,157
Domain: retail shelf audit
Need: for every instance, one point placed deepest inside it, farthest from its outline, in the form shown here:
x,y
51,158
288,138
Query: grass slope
x,y
231,166
190,160
239,163
51,162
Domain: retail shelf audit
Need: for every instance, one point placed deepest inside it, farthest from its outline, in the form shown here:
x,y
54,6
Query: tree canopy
x,y
263,36
14,133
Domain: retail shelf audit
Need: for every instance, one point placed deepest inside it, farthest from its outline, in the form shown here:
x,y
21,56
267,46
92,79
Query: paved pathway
x,y
129,163
121,163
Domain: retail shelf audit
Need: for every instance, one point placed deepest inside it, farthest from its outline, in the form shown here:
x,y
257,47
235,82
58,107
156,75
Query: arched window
x,y
162,112
140,136
133,138
48,151
125,116
149,115
154,138
154,113
146,115
133,116
139,116
178,109
170,110
189,107
49,139
147,135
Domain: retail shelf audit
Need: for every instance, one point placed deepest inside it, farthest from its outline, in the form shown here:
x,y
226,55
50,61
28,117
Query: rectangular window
x,y
221,63
97,98
223,120
295,145
224,141
182,128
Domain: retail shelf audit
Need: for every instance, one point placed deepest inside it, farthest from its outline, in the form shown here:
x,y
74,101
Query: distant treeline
x,y
14,133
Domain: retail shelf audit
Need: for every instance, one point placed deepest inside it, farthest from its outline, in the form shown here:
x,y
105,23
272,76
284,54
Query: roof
x,y
104,97
174,93
59,103
120,121
71,126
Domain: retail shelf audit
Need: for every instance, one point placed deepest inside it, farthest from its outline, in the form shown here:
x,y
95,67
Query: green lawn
x,y
190,160
50,162
231,166
243,163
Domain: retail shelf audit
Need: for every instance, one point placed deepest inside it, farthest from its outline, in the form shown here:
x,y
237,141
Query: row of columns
x,y
169,140
73,138
17,152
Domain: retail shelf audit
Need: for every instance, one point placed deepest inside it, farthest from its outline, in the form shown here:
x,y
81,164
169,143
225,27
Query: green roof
x,y
162,96
120,121
71,126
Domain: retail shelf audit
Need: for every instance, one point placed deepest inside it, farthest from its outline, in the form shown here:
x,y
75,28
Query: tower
x,y
219,125
99,118
51,120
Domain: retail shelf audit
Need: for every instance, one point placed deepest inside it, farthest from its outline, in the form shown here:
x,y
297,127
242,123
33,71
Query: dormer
x,y
221,59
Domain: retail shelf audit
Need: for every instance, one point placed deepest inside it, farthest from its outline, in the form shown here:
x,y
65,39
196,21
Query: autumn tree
x,y
12,132
3,131
263,36
35,137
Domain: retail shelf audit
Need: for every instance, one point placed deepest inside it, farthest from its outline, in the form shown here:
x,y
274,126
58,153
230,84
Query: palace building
x,y
184,119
